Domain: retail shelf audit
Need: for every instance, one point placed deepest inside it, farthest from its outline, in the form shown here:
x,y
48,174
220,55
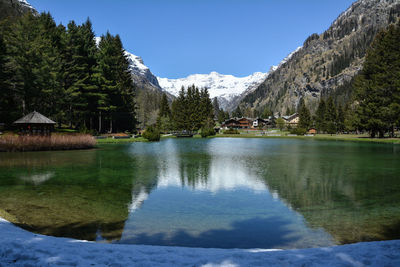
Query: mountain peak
x,y
224,87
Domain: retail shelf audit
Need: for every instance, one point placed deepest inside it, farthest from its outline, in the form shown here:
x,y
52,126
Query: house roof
x,y
34,118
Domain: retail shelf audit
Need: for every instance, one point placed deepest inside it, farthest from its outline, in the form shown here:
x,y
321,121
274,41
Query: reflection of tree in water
x,y
339,188
85,201
194,164
194,169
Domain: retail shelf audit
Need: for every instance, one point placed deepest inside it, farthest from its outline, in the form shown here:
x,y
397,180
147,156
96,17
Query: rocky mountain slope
x,y
225,87
14,8
327,62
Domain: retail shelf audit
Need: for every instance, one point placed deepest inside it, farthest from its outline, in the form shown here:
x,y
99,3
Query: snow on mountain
x,y
224,87
136,66
26,5
138,69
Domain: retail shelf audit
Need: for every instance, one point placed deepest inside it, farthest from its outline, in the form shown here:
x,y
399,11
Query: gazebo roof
x,y
34,118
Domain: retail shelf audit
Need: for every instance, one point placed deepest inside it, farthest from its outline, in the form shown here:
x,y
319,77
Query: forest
x,y
63,73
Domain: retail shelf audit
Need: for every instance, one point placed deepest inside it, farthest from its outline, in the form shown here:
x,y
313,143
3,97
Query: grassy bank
x,y
13,143
120,141
327,137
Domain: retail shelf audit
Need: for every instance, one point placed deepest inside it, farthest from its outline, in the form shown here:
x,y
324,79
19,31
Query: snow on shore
x,y
21,248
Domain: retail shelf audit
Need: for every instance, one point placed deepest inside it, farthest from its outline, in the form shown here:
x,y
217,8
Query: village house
x,y
238,123
291,120
245,123
232,123
259,123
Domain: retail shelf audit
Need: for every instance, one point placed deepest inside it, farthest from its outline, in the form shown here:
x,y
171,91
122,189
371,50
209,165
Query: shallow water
x,y
227,193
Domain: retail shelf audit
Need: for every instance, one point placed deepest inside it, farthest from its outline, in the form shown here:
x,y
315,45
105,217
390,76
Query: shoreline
x,y
341,138
20,247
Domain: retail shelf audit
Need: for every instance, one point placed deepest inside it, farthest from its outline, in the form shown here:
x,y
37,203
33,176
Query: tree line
x,y
63,73
192,110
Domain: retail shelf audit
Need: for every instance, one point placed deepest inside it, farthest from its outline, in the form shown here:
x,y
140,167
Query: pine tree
x,y
319,118
179,111
304,116
164,107
237,113
266,113
118,104
340,122
377,87
330,116
216,108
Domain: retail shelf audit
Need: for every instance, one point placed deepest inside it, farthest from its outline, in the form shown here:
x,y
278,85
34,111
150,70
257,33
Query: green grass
x,y
66,130
328,137
120,141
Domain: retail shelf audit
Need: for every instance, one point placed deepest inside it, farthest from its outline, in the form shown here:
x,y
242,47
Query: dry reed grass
x,y
41,143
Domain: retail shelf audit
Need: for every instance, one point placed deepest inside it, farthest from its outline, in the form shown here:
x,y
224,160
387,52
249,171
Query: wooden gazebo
x,y
35,124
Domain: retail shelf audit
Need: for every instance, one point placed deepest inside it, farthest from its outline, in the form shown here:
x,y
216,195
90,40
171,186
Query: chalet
x,y
245,123
232,123
238,123
35,124
291,120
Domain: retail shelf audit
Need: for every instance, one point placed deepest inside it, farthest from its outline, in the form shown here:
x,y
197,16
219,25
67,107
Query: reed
x,y
41,143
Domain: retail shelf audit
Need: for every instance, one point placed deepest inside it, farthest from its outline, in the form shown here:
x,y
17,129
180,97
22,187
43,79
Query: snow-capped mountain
x,y
224,87
26,5
137,67
141,74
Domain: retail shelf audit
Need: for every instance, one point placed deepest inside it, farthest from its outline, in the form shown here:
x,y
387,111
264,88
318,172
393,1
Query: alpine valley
x,y
324,66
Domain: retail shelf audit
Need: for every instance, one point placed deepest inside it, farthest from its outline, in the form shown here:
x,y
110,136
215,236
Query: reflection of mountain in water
x,y
206,170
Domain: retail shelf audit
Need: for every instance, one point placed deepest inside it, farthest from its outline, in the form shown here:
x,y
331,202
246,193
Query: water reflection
x,y
212,193
37,179
84,194
206,166
207,196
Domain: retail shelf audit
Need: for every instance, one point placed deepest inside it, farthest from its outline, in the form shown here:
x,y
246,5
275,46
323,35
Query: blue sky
x,y
177,38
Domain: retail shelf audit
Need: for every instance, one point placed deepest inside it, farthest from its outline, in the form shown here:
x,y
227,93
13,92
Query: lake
x,y
221,192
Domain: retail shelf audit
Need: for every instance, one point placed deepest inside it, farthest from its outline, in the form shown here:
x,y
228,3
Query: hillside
x,y
14,8
327,62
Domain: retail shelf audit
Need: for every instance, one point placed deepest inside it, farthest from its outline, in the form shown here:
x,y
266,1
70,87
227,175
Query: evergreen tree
x,y
164,107
192,109
319,117
164,115
81,76
237,113
304,116
377,87
118,104
207,110
330,116
7,104
340,123
216,108
179,111
266,113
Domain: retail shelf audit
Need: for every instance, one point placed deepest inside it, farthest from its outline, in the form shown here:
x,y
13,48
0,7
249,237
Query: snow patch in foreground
x,y
20,247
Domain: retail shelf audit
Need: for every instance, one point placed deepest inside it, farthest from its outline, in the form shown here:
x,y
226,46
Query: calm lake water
x,y
226,193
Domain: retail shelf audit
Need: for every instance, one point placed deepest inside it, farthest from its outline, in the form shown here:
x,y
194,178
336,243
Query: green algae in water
x,y
244,193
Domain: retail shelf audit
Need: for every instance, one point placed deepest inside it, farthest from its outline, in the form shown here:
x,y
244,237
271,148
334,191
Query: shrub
x,y
298,131
152,134
231,131
207,132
